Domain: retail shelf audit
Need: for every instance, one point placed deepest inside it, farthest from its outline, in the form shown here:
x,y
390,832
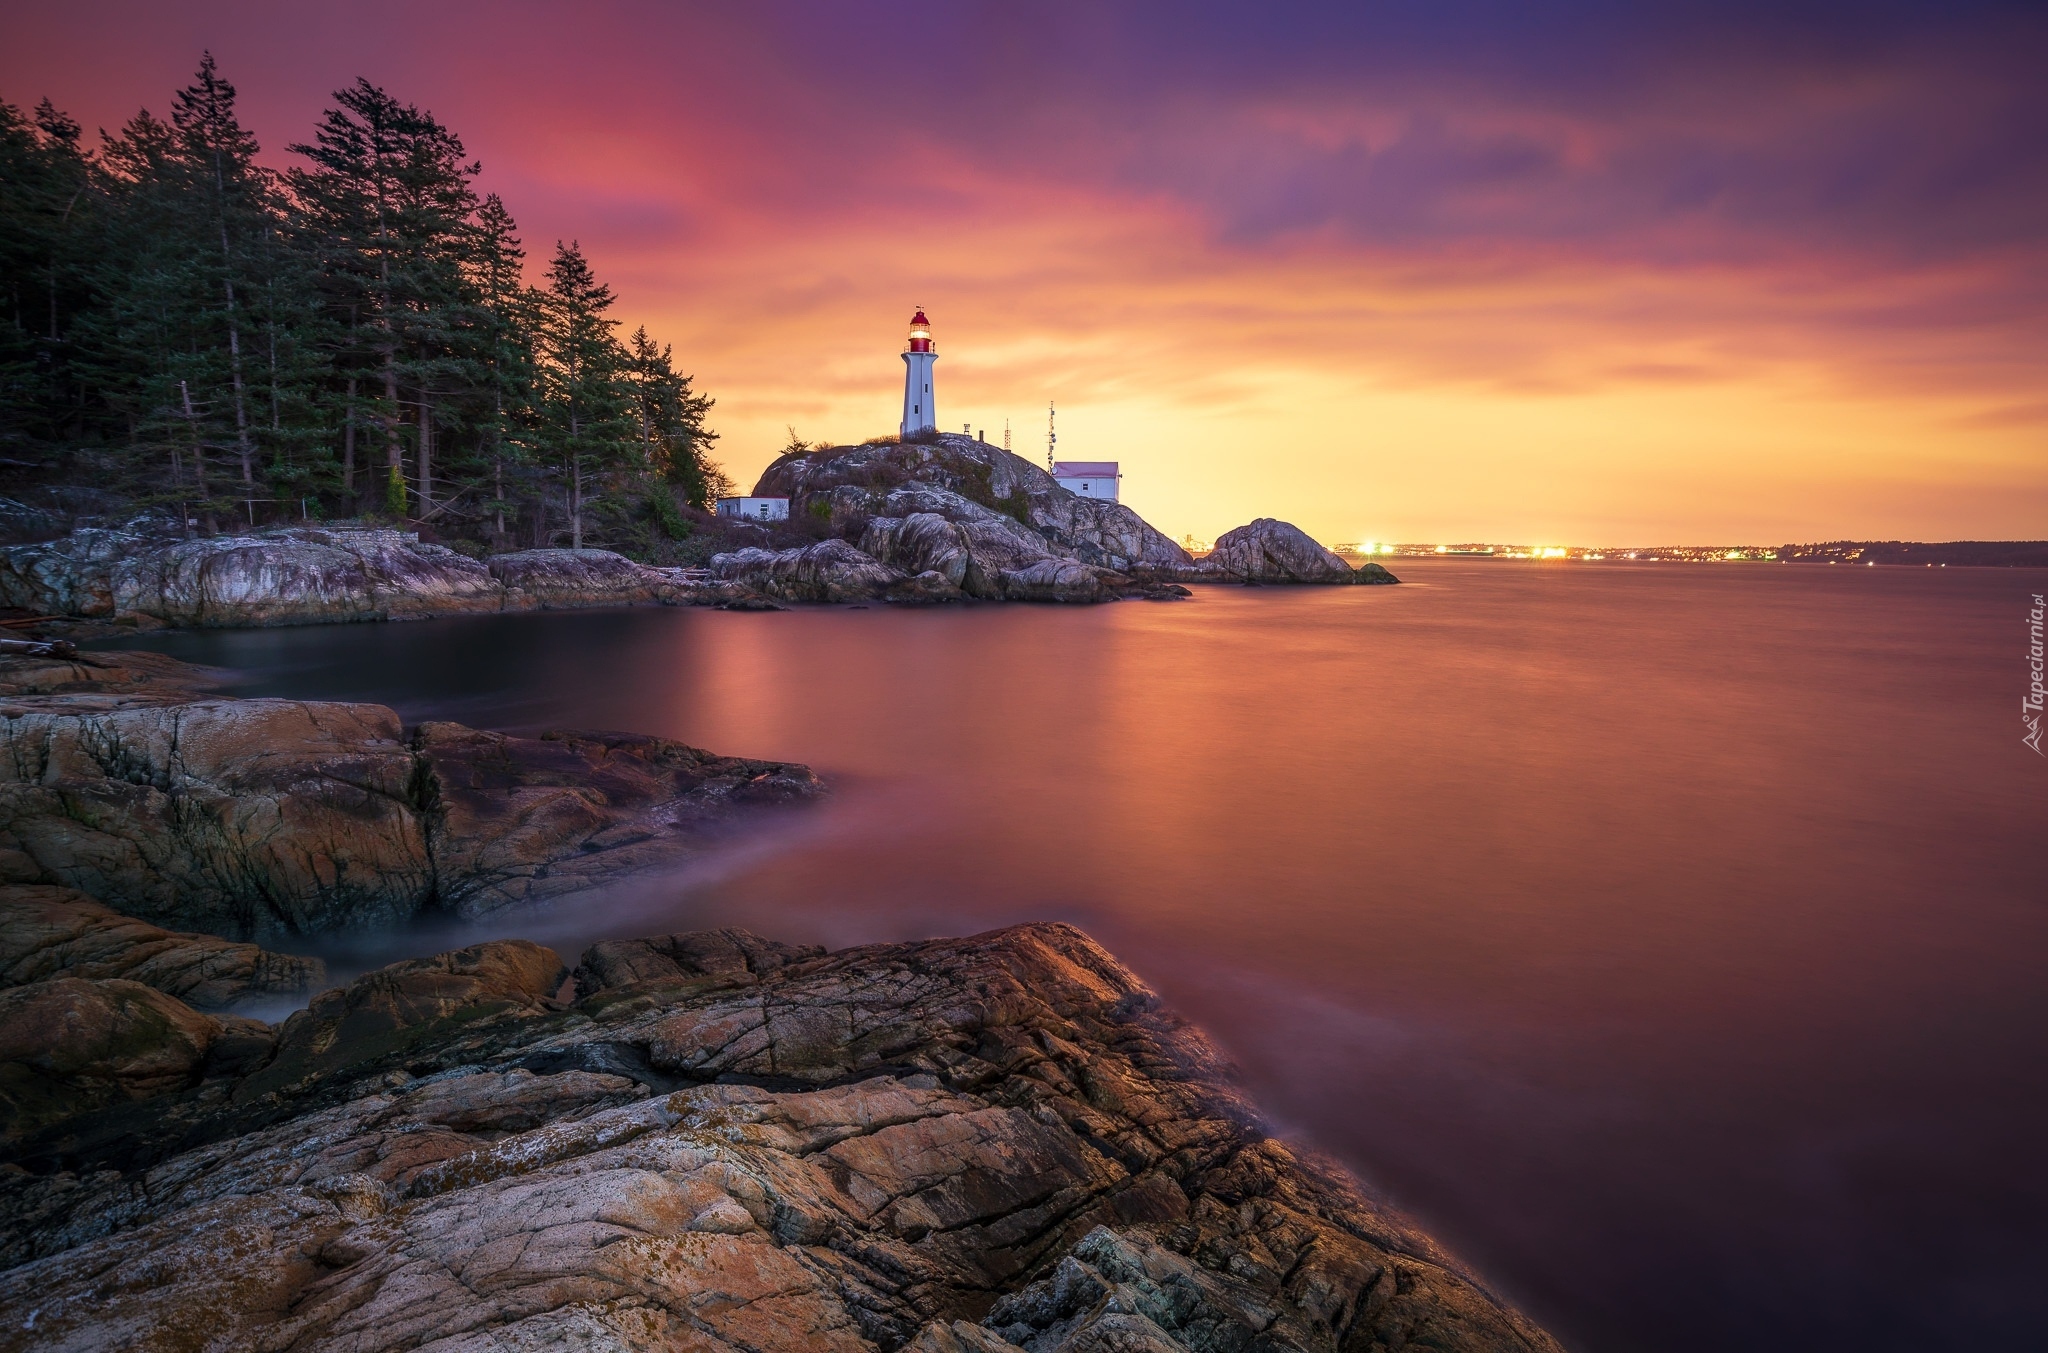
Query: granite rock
x,y
255,818
829,571
310,576
1269,551
722,1144
889,479
48,932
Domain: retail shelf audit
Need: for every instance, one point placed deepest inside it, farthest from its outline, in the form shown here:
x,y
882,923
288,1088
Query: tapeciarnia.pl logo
x,y
2030,707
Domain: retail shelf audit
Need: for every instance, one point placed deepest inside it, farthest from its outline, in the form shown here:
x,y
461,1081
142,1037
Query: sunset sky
x,y
1587,273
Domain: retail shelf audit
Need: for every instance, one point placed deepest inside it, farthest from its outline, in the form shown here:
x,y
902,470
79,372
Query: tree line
x,y
190,331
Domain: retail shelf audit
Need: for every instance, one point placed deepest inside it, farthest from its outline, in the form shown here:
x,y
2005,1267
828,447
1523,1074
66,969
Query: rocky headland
x,y
909,523
697,1142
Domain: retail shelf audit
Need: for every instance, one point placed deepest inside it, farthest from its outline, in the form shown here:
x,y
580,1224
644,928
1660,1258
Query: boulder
x,y
829,571
1269,551
49,932
254,818
552,579
985,1144
71,1045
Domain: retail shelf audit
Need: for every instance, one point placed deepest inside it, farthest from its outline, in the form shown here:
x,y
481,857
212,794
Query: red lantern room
x,y
920,333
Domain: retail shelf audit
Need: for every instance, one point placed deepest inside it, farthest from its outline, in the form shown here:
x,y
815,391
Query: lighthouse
x,y
917,378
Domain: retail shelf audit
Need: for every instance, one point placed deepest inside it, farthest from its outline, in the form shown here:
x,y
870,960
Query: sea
x,y
1670,939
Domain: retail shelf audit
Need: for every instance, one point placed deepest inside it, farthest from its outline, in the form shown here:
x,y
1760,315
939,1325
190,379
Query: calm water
x,y
1671,939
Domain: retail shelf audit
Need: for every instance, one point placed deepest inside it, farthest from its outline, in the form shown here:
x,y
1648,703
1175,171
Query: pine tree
x,y
673,437
220,157
46,211
388,200
586,412
511,314
182,328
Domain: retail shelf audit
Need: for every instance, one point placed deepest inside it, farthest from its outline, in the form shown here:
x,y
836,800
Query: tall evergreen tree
x,y
511,315
586,413
182,327
673,438
388,199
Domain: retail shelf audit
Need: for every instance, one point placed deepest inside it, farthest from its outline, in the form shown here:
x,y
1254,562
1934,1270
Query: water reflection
x,y
1670,938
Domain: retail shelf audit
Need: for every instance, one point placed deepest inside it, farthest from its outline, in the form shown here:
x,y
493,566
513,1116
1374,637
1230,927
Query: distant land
x,y
1972,553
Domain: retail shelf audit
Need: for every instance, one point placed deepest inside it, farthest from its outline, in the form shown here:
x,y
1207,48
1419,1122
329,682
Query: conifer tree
x,y
183,328
586,412
673,437
388,200
511,312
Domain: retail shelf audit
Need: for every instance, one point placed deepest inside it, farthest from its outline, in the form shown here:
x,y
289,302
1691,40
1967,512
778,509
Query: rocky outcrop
x,y
985,554
70,1046
562,579
925,558
829,571
1269,551
255,818
48,932
720,1144
309,576
888,479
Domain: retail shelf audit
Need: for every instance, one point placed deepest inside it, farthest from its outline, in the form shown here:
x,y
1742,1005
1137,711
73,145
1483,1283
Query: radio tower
x,y
1052,438
1006,434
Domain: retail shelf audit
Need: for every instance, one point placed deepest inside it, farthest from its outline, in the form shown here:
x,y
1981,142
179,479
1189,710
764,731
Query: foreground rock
x,y
713,1143
48,932
256,818
307,576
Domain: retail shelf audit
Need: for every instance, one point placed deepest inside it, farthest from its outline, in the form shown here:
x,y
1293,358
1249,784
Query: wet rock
x,y
71,1044
379,1012
253,818
985,1144
49,932
829,571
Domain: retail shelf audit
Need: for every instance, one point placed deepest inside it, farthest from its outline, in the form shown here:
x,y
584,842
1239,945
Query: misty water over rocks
x,y
1667,938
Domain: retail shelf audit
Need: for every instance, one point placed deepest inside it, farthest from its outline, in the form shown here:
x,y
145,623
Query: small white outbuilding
x,y
754,509
1089,478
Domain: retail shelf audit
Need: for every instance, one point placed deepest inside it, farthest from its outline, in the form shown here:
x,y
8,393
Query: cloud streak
x,y
1460,270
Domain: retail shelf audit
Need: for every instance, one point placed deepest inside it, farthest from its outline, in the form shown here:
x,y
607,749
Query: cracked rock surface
x,y
260,818
715,1142
304,575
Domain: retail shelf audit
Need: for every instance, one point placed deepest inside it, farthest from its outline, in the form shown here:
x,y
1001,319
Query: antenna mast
x,y
1052,438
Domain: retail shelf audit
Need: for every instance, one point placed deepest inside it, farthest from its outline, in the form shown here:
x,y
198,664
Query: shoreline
x,y
1012,1116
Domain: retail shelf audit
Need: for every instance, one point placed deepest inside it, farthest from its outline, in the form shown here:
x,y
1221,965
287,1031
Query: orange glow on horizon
x,y
1530,368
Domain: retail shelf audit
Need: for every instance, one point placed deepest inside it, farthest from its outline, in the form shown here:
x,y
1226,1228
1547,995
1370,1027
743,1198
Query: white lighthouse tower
x,y
917,377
